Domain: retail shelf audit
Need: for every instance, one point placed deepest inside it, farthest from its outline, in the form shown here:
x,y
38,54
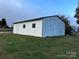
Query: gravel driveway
x,y
5,32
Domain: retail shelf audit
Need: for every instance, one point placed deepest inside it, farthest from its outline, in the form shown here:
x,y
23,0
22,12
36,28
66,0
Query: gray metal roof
x,y
38,19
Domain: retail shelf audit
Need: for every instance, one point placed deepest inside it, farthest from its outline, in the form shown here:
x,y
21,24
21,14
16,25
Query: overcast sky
x,y
18,10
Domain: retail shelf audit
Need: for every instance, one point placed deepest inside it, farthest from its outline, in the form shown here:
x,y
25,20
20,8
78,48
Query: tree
x,y
4,24
68,28
4,21
77,13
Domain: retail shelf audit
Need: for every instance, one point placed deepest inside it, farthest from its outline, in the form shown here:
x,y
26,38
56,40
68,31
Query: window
x,y
33,25
24,26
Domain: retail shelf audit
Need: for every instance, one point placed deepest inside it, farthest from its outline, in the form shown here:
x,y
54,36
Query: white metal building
x,y
41,27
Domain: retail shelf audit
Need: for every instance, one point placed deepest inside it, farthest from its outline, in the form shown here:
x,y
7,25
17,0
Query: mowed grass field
x,y
28,47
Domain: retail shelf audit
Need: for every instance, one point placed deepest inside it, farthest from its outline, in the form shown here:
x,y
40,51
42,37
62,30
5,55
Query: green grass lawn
x,y
28,47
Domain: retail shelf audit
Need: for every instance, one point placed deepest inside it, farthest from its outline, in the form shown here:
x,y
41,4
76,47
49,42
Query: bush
x,y
68,30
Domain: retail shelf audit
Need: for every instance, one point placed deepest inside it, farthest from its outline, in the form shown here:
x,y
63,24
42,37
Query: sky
x,y
19,10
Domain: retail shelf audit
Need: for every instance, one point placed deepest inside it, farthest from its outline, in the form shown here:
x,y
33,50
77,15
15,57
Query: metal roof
x,y
38,19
